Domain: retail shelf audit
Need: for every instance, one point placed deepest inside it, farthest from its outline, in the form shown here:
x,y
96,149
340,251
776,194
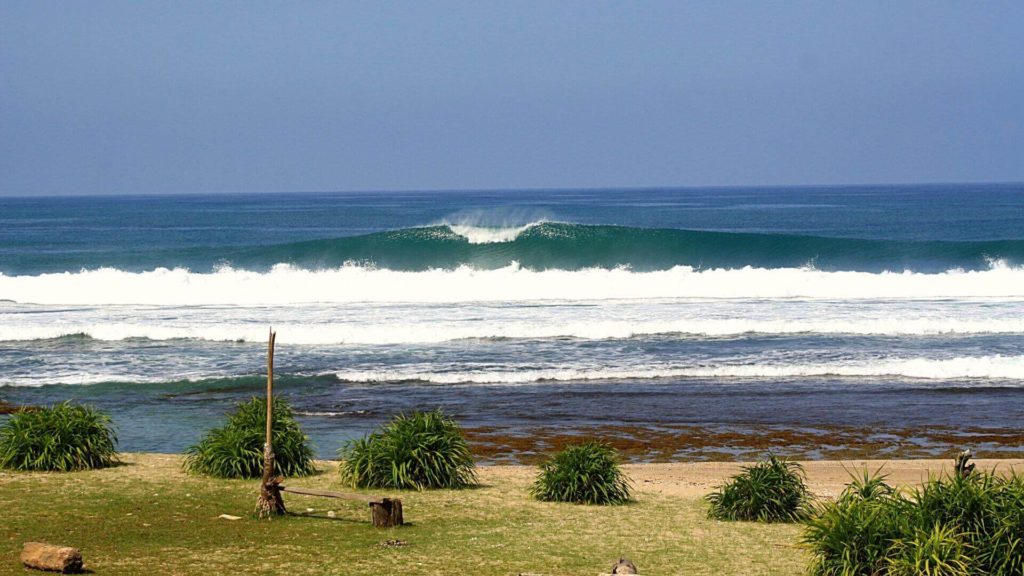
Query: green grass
x,y
584,473
768,491
235,450
149,517
952,525
61,438
416,451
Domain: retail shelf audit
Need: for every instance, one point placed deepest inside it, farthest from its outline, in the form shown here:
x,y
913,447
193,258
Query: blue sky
x,y
166,97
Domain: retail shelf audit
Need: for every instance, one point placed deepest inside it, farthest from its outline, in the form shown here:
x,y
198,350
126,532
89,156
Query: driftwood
x,y
325,493
50,557
384,513
961,466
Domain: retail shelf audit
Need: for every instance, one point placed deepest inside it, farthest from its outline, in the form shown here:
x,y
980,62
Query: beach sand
x,y
824,478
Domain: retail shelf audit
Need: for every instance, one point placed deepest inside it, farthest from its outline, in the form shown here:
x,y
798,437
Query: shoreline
x,y
646,421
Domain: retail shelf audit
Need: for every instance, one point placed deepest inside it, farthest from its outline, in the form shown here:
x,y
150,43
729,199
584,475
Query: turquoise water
x,y
896,306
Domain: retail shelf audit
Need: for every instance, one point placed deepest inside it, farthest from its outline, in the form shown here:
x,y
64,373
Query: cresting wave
x,y
980,367
545,245
285,284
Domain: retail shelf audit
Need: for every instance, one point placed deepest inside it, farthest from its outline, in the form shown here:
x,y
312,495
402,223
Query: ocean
x,y
694,323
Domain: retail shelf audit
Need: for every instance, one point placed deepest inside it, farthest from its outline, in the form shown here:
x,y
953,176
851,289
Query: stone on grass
x,y
53,558
624,566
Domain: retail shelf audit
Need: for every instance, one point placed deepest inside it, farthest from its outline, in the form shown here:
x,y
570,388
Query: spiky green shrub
x,y
952,525
62,438
416,451
235,450
584,473
854,534
936,552
1003,551
770,491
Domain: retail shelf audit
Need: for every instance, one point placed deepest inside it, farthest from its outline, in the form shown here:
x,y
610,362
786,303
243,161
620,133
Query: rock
x,y
51,557
624,566
331,514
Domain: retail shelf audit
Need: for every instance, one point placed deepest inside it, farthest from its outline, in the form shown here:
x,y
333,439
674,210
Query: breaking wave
x,y
286,284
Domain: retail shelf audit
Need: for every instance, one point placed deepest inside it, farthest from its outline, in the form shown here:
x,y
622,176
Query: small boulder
x,y
624,566
41,556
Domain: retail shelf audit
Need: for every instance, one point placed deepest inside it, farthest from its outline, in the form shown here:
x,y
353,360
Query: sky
x,y
201,97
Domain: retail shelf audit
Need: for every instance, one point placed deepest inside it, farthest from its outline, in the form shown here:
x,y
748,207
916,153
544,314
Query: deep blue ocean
x,y
882,316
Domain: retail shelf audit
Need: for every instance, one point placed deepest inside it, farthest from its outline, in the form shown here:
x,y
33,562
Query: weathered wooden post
x,y
387,513
270,501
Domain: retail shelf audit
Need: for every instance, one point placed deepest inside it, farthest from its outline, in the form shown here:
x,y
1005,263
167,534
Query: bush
x,y
853,535
62,438
236,449
958,525
937,552
769,491
585,473
419,451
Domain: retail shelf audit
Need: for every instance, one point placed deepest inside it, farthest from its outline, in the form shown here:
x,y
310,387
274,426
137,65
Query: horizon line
x,y
523,189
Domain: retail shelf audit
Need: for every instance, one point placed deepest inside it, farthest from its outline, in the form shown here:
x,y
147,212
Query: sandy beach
x,y
824,478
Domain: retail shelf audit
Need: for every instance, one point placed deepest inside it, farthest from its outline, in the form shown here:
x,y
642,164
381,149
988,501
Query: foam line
x,y
285,284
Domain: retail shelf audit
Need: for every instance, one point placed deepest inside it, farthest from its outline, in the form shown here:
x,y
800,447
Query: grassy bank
x,y
148,517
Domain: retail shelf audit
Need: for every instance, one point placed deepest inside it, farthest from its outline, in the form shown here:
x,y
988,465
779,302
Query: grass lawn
x,y
147,517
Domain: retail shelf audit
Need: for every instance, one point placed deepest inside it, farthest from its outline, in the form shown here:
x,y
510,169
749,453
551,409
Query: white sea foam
x,y
285,284
964,368
427,333
987,367
488,235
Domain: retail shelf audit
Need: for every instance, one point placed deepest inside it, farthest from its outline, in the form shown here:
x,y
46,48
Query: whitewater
x,y
286,284
742,307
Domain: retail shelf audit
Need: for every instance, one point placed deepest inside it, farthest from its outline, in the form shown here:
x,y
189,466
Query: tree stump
x,y
387,513
961,466
50,557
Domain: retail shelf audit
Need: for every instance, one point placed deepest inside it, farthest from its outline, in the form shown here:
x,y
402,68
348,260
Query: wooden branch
x,y
326,494
384,513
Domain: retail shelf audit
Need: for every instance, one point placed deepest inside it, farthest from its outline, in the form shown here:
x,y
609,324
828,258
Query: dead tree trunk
x,y
270,501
